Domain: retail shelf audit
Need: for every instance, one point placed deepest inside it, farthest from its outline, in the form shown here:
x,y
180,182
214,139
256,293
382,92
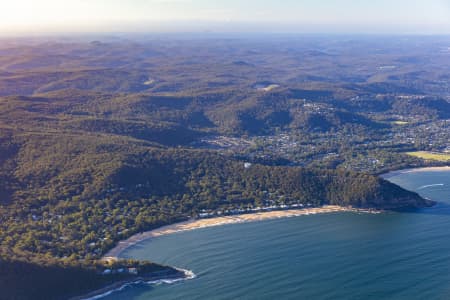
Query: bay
x,y
391,255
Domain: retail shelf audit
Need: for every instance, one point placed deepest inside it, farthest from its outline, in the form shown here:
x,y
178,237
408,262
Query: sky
x,y
314,16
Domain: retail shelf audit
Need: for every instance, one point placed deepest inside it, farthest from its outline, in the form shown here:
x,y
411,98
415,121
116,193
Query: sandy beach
x,y
218,221
414,170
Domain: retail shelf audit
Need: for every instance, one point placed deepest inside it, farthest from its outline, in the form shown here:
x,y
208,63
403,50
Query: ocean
x,y
330,256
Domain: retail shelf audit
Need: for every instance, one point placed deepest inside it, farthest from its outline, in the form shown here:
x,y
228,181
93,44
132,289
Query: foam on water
x,y
430,185
188,275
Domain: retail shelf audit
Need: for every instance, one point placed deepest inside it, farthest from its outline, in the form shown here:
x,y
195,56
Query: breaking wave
x,y
188,275
430,185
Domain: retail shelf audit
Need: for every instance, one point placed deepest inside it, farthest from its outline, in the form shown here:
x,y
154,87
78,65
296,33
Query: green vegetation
x,y
74,185
44,278
101,141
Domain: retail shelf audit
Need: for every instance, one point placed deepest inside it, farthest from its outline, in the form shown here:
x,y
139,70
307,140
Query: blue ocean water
x,y
333,256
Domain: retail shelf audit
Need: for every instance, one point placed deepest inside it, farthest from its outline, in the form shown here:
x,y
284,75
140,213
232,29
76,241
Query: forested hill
x,y
23,280
82,169
24,277
78,198
100,140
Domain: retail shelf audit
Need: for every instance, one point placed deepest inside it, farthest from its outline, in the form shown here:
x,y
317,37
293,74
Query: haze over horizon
x,y
307,16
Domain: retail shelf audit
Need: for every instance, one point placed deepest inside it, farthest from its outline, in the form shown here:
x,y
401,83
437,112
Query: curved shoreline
x,y
414,170
120,285
194,224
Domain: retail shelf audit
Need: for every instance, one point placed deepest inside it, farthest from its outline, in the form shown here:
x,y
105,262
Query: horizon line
x,y
62,34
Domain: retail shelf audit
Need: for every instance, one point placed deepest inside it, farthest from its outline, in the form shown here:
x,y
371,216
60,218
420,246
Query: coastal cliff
x,y
368,191
389,196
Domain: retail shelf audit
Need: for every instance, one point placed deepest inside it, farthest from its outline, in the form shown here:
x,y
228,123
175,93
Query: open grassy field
x,y
431,155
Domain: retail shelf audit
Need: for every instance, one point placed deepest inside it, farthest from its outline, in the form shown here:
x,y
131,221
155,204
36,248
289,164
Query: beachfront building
x,y
133,271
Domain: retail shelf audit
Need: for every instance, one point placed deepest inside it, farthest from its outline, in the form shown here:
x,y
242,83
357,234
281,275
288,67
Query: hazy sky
x,y
379,16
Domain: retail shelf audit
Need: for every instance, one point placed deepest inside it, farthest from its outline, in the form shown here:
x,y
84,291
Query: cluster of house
x,y
131,271
237,211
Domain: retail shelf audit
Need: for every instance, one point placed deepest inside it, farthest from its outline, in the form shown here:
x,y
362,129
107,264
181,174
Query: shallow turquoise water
x,y
333,256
